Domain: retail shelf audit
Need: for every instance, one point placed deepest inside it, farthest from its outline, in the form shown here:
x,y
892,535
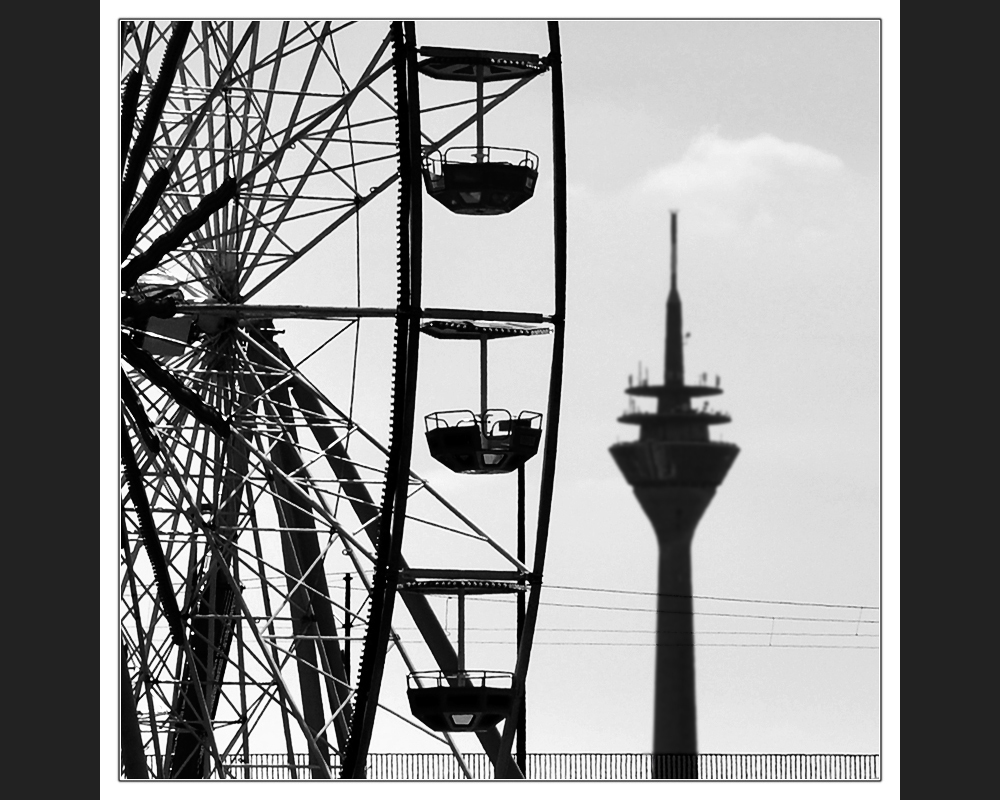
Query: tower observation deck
x,y
674,470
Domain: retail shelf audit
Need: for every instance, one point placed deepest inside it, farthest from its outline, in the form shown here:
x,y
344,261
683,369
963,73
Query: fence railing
x,y
587,767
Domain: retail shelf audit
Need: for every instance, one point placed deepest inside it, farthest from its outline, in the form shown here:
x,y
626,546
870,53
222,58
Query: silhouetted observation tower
x,y
674,470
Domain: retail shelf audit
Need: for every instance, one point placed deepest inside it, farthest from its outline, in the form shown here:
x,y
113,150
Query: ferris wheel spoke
x,y
310,614
203,652
154,110
287,461
221,80
145,684
130,109
250,218
276,673
269,636
298,497
341,107
161,595
138,414
357,492
285,139
310,398
150,685
143,210
133,753
155,36
150,540
215,187
291,254
150,258
343,122
221,41
331,447
143,362
196,461
195,735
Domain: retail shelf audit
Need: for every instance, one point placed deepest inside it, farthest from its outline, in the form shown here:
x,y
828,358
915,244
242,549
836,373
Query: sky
x,y
764,135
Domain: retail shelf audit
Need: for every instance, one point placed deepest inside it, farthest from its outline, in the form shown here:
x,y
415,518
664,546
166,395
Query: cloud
x,y
758,184
715,165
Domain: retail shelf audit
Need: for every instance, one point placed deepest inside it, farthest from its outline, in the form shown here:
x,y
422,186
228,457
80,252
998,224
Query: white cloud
x,y
715,165
751,185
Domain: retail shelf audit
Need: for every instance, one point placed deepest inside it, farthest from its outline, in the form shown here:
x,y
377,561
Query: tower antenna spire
x,y
674,366
673,251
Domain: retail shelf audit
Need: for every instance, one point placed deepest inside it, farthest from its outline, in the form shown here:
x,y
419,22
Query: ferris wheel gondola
x,y
480,180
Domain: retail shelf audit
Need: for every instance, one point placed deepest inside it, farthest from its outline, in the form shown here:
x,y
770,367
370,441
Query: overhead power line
x,y
712,597
692,613
671,644
652,632
720,598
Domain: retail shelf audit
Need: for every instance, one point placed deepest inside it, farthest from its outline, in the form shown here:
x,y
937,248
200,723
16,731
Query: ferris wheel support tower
x,y
674,470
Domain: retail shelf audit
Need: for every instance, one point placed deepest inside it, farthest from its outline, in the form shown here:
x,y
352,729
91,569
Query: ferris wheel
x,y
274,181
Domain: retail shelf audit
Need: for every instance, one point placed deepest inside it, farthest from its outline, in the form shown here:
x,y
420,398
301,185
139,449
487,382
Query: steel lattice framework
x,y
257,163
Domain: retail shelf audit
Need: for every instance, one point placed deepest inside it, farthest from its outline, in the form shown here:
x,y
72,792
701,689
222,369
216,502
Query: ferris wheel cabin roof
x,y
460,586
455,64
468,329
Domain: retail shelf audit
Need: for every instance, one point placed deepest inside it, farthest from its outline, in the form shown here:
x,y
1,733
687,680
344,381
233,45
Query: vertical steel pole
x,y
461,638
521,749
479,113
482,382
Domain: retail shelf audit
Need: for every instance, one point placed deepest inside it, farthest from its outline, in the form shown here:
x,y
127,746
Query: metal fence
x,y
590,767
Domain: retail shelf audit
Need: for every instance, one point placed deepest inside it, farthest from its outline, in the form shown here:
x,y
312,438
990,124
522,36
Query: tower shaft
x,y
675,513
